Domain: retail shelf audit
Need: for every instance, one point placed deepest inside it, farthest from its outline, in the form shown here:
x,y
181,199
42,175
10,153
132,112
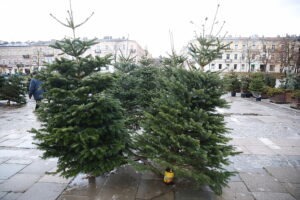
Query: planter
x,y
248,95
233,94
288,97
295,103
278,98
264,96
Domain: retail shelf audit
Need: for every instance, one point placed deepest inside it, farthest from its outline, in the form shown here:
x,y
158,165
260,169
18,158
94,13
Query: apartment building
x,y
250,54
24,57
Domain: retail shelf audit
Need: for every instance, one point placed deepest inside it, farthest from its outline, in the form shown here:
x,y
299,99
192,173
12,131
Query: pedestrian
x,y
36,90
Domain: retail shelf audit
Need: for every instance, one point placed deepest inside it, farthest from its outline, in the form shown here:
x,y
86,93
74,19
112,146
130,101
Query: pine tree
x,y
13,89
82,123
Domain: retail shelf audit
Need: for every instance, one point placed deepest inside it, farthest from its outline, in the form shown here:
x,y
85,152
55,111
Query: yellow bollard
x,y
169,176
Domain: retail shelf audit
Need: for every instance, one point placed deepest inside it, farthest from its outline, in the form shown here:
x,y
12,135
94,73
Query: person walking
x,y
36,90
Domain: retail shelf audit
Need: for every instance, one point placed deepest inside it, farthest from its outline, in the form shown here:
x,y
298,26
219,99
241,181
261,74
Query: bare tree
x,y
250,52
288,53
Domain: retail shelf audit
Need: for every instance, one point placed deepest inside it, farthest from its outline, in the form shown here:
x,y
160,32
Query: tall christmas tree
x,y
82,123
182,129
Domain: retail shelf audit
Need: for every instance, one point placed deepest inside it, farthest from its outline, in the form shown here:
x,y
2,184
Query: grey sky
x,y
147,21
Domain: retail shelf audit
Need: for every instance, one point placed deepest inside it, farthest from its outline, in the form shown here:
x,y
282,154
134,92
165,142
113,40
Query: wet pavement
x,y
269,167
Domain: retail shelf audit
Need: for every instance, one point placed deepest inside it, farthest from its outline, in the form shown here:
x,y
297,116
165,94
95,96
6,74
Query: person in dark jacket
x,y
36,90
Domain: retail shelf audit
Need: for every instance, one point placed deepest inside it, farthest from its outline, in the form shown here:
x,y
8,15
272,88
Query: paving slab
x,y
121,185
236,190
39,167
80,186
288,151
287,142
8,170
260,150
246,142
69,197
148,189
11,143
287,175
43,191
166,196
2,194
19,183
54,179
272,196
19,161
293,189
194,195
261,182
11,196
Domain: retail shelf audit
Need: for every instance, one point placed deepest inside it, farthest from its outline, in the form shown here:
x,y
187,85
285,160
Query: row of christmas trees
x,y
164,116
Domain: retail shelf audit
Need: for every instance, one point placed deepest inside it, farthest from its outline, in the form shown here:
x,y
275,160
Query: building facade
x,y
24,57
250,54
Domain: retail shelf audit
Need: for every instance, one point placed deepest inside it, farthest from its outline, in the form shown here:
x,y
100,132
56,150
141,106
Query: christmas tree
x,y
12,89
82,123
182,129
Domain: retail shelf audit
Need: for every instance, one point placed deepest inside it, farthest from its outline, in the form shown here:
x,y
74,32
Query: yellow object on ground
x,y
169,176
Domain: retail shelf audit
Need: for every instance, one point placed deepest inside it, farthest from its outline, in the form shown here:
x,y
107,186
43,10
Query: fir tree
x,y
82,123
207,46
182,129
13,89
184,132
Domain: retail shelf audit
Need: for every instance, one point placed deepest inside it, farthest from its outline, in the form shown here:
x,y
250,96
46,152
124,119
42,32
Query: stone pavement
x,y
269,167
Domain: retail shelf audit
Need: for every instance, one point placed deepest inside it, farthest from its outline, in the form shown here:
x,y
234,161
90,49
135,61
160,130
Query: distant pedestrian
x,y
36,90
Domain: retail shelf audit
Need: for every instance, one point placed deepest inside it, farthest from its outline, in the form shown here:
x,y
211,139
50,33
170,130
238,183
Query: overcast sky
x,y
147,21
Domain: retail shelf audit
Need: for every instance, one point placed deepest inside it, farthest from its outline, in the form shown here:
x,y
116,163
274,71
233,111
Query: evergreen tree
x,y
13,89
207,46
181,128
184,132
136,90
232,83
82,123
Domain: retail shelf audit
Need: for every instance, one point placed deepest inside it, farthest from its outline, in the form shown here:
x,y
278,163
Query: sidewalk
x,y
269,167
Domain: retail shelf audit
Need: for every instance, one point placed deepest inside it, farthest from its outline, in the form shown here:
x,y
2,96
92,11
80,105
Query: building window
x,y
252,67
253,56
212,66
243,56
273,47
228,65
220,66
243,66
236,46
227,56
235,56
272,68
235,66
244,46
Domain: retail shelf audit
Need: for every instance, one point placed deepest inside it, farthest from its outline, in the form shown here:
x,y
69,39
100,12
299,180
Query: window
x,y
235,56
244,46
235,66
252,67
273,46
236,46
243,66
272,68
243,56
228,65
227,56
264,47
213,66
253,56
220,66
